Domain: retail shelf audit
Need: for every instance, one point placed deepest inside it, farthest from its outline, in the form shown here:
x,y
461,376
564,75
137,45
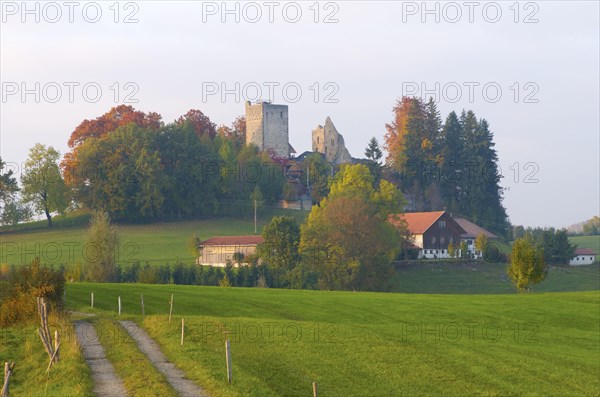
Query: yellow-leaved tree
x,y
527,266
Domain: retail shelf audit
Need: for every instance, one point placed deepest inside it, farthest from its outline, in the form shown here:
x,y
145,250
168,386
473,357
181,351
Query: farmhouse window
x,y
433,240
442,240
442,224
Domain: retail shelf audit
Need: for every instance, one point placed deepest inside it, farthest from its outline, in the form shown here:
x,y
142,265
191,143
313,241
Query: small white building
x,y
583,256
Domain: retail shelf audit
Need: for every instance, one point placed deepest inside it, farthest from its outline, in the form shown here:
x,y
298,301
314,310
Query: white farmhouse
x,y
472,231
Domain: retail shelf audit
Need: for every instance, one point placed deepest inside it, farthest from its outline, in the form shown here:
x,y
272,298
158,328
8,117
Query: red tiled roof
x,y
473,230
233,240
584,251
419,222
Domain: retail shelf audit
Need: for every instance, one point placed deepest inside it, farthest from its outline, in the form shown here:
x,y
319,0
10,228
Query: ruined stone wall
x,y
267,127
327,140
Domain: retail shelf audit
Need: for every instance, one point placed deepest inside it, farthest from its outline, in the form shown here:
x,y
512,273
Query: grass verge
x,y
69,377
140,377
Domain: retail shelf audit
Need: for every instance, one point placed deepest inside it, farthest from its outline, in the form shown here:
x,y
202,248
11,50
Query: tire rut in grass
x,y
106,381
183,386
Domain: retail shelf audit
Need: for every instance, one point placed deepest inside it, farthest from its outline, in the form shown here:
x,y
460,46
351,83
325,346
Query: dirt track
x,y
106,381
183,386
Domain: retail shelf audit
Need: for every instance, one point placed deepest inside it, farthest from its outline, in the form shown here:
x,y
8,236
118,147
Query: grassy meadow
x,y
156,243
368,344
69,377
453,329
487,278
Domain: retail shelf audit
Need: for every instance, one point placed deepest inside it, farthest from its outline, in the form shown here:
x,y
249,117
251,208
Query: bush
x,y
74,272
103,241
224,282
25,284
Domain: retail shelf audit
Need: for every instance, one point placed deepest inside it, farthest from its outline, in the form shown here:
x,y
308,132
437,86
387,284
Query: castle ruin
x,y
267,127
326,140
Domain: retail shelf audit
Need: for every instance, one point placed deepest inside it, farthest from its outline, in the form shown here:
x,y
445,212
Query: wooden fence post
x,y
314,389
6,379
92,299
8,370
143,312
182,330
171,308
119,305
228,358
56,345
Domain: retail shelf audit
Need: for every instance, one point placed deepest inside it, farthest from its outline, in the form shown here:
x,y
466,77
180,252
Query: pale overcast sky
x,y
530,69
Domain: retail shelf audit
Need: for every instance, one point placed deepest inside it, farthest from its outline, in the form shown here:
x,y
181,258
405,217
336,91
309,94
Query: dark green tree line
x,y
451,165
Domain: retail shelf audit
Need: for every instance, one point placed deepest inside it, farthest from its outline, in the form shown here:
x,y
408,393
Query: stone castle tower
x,y
326,140
267,127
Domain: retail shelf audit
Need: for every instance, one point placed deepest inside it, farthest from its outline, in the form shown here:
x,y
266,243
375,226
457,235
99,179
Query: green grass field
x,y
69,377
368,344
157,243
591,242
487,278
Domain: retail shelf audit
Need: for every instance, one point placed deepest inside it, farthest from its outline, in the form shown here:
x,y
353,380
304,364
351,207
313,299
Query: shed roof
x,y
233,240
584,251
473,230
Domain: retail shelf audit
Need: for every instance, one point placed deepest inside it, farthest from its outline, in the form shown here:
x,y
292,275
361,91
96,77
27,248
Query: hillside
x,y
167,242
156,243
368,344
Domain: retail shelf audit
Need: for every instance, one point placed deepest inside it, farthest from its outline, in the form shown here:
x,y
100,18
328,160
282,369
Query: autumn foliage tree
x,y
145,170
347,239
236,134
101,126
199,122
527,266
